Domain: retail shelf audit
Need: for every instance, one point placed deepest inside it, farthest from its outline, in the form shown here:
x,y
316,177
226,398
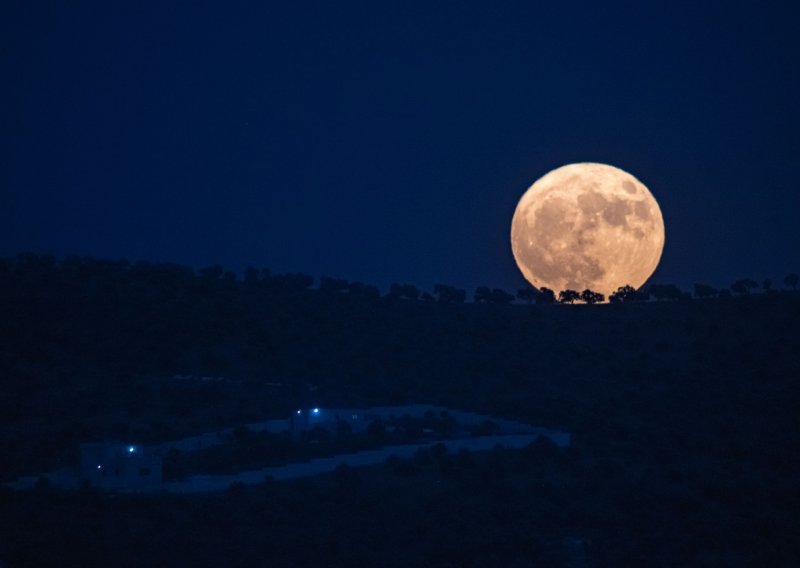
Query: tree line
x,y
657,292
97,274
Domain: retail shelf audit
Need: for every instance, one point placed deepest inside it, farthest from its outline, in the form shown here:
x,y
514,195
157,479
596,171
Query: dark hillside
x,y
696,397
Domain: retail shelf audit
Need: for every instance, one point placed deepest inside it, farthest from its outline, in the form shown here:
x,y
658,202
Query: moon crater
x,y
587,226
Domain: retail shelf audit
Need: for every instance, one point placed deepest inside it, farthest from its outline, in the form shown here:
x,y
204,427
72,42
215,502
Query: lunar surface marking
x,y
587,226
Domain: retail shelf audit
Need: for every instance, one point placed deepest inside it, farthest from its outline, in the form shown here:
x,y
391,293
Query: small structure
x,y
120,467
304,419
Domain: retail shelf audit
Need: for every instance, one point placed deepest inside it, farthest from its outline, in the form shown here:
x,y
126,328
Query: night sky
x,y
382,142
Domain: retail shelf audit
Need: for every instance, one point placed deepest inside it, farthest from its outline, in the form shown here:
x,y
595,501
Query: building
x,y
306,419
356,419
120,467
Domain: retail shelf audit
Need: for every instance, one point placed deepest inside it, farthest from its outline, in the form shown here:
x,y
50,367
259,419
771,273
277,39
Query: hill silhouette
x,y
692,402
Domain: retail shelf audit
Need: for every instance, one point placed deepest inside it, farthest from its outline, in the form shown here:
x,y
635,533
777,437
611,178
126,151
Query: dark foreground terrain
x,y
684,417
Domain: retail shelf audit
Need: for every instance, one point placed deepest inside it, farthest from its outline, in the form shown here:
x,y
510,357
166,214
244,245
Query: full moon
x,y
587,226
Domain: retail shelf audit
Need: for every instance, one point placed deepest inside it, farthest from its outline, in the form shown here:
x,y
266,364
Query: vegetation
x,y
705,291
545,296
590,297
247,450
568,296
683,415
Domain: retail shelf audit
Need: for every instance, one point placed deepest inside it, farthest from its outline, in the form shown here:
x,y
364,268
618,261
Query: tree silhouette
x,y
332,286
528,294
359,289
210,273
791,280
545,296
704,291
251,276
449,294
411,292
293,281
501,297
403,292
592,297
483,295
568,296
664,292
743,286
625,294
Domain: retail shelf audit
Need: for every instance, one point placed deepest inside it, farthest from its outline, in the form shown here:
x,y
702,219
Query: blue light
x,y
315,411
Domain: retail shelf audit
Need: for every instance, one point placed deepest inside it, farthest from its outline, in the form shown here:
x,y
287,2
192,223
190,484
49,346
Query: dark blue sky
x,y
383,142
